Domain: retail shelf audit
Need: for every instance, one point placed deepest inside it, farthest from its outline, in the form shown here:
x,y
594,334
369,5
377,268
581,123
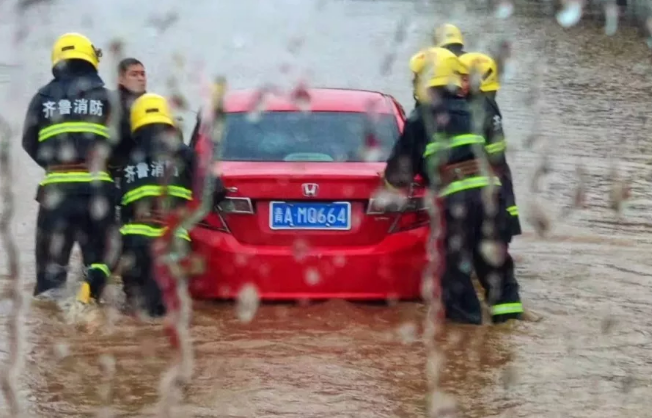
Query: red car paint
x,y
381,256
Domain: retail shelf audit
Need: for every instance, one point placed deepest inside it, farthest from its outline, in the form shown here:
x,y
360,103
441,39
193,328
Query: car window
x,y
314,136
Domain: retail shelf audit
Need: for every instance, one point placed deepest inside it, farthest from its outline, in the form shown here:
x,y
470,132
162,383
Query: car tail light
x,y
411,214
235,205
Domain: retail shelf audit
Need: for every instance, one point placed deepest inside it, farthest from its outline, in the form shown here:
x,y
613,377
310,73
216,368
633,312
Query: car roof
x,y
321,100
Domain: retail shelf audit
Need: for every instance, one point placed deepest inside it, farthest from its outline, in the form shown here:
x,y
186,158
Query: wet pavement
x,y
588,357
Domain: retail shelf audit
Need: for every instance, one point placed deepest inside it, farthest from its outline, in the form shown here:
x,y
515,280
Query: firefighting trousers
x,y
476,239
139,283
72,220
510,202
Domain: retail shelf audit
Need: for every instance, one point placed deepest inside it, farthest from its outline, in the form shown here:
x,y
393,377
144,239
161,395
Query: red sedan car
x,y
300,220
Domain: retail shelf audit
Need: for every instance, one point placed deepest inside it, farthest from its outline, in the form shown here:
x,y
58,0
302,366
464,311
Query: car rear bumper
x,y
390,269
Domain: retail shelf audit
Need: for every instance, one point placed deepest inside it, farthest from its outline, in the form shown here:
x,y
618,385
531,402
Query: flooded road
x,y
588,357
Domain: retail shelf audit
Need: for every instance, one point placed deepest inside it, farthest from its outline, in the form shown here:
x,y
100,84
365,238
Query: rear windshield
x,y
314,136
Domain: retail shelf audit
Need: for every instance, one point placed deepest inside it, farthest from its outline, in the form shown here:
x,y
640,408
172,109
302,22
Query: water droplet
x,y
265,270
466,265
107,362
61,350
238,42
99,208
427,286
56,245
389,199
407,333
493,252
67,153
248,302
348,191
441,405
312,277
504,10
300,249
241,259
456,242
294,44
611,19
339,261
508,71
392,299
571,14
458,211
300,97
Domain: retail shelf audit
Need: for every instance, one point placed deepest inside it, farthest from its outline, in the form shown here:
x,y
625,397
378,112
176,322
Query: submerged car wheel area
x,y
300,220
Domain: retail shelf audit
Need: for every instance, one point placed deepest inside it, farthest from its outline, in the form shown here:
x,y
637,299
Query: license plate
x,y
334,216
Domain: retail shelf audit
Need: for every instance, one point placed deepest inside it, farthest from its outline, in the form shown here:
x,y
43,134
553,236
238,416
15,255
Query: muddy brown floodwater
x,y
589,279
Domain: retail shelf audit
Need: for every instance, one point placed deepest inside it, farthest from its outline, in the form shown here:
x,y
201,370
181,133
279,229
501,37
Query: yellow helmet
x,y
149,109
447,35
436,67
75,46
485,66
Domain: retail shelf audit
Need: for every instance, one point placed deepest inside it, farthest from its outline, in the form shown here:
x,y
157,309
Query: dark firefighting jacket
x,y
66,130
435,137
143,181
143,175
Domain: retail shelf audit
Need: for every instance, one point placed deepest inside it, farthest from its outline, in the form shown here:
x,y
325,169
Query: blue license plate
x,y
297,215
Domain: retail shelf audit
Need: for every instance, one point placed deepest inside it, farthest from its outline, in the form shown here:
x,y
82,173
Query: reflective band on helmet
x,y
76,177
513,210
507,308
470,183
102,267
440,142
73,127
153,191
496,147
150,231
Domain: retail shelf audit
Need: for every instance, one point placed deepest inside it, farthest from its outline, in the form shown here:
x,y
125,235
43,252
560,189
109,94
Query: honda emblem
x,y
310,189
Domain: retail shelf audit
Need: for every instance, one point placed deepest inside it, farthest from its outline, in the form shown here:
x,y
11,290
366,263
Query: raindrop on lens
x,y
248,301
504,10
408,332
570,14
312,277
99,208
300,249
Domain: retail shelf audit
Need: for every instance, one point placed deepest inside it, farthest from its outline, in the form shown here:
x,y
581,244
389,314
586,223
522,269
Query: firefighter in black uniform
x,y
66,133
158,153
437,143
482,101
